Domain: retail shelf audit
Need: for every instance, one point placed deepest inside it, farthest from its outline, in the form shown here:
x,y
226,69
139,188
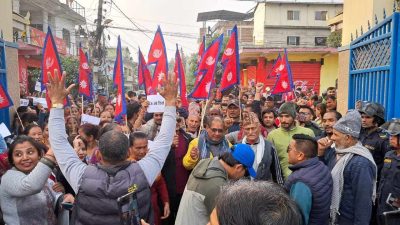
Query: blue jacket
x,y
356,203
317,178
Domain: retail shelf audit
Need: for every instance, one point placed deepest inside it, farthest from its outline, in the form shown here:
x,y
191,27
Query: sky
x,y
172,15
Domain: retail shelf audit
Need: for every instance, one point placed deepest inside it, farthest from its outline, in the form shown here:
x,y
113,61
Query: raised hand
x,y
259,87
194,153
169,90
56,87
323,144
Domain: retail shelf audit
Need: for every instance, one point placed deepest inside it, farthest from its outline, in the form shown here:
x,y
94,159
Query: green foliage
x,y
191,66
335,39
70,65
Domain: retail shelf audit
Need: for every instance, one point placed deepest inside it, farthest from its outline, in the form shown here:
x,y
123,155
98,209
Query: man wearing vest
x,y
310,184
390,182
99,186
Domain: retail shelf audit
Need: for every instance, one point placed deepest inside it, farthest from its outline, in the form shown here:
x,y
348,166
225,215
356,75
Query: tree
x,y
335,39
70,65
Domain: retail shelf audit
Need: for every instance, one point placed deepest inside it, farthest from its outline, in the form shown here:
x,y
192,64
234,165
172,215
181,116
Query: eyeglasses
x,y
215,130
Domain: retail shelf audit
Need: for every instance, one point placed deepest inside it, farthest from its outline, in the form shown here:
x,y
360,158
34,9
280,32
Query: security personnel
x,y
371,136
390,177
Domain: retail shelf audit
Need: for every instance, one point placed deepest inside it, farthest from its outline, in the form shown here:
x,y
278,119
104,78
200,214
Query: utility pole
x,y
99,28
98,52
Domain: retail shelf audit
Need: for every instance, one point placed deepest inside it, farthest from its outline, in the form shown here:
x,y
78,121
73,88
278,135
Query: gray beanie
x,y
288,108
350,124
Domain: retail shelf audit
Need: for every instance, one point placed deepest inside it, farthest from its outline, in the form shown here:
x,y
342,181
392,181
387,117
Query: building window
x,y
321,15
66,37
229,32
37,26
293,40
320,41
293,15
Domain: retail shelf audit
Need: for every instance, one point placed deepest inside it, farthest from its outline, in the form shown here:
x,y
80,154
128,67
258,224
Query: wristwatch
x,y
57,105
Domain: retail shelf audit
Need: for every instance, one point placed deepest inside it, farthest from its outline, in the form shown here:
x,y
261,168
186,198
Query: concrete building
x,y
31,18
130,69
8,59
223,21
301,27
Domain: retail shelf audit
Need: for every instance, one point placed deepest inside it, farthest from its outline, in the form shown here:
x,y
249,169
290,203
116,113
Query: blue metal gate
x,y
4,113
375,66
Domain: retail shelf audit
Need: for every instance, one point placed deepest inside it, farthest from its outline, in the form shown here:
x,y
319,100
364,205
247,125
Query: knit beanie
x,y
350,124
288,108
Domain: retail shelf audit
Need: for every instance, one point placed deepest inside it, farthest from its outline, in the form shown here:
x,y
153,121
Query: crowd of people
x,y
246,157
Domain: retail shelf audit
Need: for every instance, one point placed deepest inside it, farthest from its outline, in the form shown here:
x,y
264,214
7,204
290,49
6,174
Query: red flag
x,y
5,100
50,62
206,70
144,74
120,106
202,48
85,84
230,61
180,74
261,74
288,96
281,69
158,56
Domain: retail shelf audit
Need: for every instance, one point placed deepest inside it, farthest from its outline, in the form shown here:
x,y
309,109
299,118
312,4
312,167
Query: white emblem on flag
x,y
229,77
157,53
280,68
49,62
210,61
284,84
161,76
2,99
119,99
228,52
83,84
208,86
85,66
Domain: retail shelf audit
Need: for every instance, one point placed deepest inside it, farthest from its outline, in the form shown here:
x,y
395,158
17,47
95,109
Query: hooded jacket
x,y
203,186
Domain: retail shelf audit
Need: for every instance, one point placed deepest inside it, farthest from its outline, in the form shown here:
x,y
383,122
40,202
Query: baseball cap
x,y
233,102
245,155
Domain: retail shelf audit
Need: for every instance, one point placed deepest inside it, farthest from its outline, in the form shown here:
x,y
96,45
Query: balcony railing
x,y
76,7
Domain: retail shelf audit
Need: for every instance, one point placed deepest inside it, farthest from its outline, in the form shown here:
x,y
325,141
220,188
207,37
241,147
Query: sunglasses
x,y
215,130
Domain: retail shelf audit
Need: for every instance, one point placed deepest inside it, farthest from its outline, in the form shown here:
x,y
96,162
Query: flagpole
x,y
94,107
202,116
82,104
19,118
240,104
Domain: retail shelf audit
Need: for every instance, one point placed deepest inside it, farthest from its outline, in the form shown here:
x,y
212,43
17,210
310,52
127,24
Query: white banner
x,y
90,119
156,103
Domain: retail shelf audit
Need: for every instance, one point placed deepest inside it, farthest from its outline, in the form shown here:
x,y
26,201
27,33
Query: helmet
x,y
374,109
392,127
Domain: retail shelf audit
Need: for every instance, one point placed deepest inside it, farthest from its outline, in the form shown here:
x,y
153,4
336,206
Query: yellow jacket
x,y
187,161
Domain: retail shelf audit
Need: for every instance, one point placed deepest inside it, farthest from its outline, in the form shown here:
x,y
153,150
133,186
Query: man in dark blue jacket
x,y
354,174
310,184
